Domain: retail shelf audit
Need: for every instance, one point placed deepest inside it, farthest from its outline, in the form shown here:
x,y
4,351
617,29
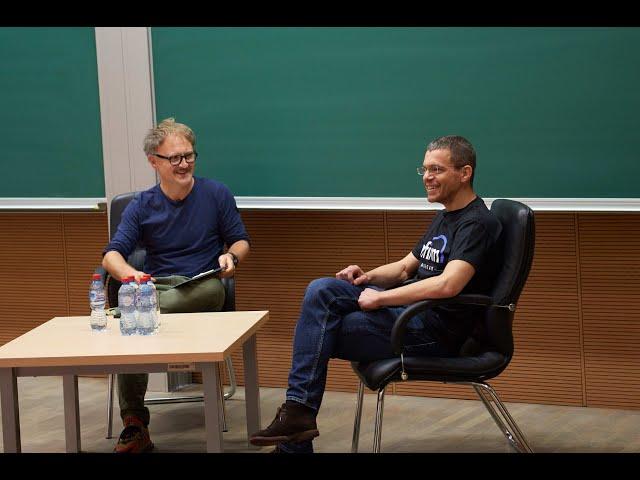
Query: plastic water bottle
x,y
156,303
145,304
127,306
98,318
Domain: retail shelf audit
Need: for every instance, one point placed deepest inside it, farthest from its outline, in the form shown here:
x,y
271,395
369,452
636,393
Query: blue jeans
x,y
332,325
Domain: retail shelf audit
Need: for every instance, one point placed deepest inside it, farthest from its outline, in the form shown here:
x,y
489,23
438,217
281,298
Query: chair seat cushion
x,y
378,374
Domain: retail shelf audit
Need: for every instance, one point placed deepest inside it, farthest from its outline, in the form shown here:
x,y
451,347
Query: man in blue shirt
x,y
184,223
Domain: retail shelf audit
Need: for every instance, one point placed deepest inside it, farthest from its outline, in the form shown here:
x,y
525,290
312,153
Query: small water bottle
x,y
156,303
127,306
98,318
145,304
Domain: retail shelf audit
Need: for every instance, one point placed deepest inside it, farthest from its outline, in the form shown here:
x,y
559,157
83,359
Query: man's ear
x,y
152,161
466,171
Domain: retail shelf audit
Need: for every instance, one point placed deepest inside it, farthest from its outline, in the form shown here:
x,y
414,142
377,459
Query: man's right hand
x,y
354,275
138,276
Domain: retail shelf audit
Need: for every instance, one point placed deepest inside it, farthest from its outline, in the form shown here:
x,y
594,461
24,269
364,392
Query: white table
x,y
66,346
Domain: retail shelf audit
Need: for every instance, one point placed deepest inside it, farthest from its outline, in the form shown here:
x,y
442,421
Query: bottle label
x,y
127,301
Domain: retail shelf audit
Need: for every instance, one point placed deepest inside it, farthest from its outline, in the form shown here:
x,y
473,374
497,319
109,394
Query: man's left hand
x,y
369,299
228,268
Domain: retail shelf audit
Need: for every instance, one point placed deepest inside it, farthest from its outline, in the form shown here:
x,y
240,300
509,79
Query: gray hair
x,y
166,127
462,152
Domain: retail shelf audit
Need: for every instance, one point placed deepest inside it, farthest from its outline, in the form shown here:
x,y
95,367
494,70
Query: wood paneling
x,y
546,366
85,235
45,266
32,271
577,327
610,278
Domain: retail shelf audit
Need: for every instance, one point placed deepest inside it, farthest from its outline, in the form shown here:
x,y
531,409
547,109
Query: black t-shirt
x,y
471,234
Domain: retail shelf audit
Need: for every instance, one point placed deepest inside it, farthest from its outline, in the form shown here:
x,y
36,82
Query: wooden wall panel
x,y
32,271
610,278
404,229
85,235
546,367
577,327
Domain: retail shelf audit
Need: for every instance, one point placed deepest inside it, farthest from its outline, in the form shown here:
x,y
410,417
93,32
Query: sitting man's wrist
x,y
233,257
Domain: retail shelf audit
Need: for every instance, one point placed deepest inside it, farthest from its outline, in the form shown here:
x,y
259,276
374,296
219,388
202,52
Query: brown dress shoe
x,y
292,424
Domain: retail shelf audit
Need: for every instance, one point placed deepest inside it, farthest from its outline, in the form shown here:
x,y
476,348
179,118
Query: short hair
x,y
167,127
462,152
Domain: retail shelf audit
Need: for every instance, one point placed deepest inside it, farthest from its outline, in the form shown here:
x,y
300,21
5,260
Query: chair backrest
x,y
517,243
136,259
118,204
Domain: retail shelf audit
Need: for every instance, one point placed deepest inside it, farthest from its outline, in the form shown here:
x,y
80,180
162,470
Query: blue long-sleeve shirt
x,y
183,237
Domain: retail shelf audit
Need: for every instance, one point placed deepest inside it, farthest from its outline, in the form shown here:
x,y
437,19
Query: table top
x,y
182,337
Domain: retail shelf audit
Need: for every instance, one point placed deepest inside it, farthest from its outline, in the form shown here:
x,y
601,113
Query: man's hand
x,y
137,275
228,267
354,275
369,299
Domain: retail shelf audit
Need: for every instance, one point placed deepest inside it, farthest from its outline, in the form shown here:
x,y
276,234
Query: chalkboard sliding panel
x,y
347,112
50,137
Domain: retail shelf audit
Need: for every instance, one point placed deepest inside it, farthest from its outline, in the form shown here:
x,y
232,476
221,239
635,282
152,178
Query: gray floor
x,y
411,424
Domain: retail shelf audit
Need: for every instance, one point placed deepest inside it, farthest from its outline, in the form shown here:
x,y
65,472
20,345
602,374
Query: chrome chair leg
x,y
510,430
110,383
377,436
232,379
356,423
223,413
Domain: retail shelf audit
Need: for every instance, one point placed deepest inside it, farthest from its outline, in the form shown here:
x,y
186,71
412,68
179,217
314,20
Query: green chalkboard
x,y
50,137
327,112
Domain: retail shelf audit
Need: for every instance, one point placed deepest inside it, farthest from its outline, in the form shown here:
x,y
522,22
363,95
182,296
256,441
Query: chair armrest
x,y
229,284
400,326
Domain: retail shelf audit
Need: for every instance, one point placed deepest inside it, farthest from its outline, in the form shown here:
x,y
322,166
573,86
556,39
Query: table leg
x,y
251,389
212,406
71,413
10,411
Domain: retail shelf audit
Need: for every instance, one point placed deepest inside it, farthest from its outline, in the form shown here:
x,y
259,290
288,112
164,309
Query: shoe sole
x,y
147,449
295,438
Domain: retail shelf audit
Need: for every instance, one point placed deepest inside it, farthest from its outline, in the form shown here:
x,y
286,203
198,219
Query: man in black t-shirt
x,y
351,316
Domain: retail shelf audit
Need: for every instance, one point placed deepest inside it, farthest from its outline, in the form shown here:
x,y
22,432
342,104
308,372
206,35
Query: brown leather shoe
x,y
292,424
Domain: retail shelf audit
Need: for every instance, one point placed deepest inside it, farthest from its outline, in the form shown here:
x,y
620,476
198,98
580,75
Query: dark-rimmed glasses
x,y
174,160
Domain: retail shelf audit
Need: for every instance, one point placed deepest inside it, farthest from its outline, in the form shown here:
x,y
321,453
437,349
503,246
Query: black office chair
x,y
483,356
112,285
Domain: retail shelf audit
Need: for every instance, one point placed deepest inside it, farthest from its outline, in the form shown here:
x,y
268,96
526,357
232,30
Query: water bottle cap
x,y
146,277
126,279
96,276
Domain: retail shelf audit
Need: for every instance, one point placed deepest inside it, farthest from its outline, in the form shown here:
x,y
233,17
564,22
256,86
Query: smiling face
x,y
442,180
173,178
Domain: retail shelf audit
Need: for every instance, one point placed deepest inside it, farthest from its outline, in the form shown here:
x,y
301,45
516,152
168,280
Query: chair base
x,y
487,394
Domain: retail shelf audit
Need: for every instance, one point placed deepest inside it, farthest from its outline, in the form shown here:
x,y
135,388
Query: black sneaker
x,y
293,423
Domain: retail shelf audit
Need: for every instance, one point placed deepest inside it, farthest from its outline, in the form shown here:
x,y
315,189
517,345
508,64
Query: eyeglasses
x,y
175,160
431,170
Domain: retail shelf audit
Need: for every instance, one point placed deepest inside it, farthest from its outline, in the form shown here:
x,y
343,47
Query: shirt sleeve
x,y
472,243
128,233
230,223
